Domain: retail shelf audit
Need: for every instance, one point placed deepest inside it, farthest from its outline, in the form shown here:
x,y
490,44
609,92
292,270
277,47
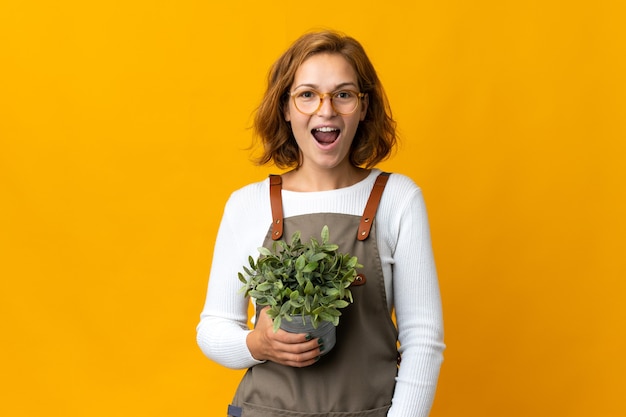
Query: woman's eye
x,y
306,94
343,94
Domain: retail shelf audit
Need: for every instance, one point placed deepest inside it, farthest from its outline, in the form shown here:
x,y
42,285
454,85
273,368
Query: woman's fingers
x,y
291,349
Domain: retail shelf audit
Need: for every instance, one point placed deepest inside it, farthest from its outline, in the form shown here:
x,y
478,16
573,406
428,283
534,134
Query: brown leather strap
x,y
367,219
372,205
276,202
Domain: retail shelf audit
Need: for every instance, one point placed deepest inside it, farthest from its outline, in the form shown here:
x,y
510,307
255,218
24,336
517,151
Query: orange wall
x,y
123,128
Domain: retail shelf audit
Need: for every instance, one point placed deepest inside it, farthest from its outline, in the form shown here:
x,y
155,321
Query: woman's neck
x,y
309,180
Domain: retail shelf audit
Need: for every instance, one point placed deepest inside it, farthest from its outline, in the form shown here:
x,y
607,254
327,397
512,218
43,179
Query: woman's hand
x,y
282,347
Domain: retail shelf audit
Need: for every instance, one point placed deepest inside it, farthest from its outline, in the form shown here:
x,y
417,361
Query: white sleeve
x,y
417,304
223,327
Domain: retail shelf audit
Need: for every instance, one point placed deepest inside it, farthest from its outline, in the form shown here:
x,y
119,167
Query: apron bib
x,y
357,377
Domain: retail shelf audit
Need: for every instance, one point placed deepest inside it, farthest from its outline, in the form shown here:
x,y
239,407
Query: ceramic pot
x,y
325,330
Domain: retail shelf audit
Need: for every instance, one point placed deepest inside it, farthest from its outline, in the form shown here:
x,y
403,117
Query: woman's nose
x,y
326,109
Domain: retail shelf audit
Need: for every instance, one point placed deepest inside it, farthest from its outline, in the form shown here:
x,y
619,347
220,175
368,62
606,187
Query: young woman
x,y
325,120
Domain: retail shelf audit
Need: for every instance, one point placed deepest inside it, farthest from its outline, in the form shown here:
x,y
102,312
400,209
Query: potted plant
x,y
305,284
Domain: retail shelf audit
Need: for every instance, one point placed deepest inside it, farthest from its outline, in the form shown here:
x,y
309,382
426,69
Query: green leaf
x,y
332,292
351,262
341,304
269,275
349,276
300,262
264,286
300,279
276,325
318,257
325,234
263,251
333,312
309,289
324,315
285,309
317,311
310,267
295,238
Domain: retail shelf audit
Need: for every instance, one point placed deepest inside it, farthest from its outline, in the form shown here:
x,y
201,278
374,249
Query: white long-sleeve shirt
x,y
403,238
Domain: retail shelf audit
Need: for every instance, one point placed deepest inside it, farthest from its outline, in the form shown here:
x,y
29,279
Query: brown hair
x,y
376,135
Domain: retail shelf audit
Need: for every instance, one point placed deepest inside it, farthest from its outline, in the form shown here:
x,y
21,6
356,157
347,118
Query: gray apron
x,y
357,377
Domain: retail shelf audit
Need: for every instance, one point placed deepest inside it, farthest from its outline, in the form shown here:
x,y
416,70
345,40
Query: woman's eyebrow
x,y
316,87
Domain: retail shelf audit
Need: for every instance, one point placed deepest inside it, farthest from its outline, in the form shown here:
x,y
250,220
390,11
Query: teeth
x,y
326,129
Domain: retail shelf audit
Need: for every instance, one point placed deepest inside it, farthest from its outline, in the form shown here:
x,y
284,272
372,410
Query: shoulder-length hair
x,y
376,135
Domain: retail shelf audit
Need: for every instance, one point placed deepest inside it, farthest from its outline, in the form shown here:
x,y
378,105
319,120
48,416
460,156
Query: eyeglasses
x,y
309,102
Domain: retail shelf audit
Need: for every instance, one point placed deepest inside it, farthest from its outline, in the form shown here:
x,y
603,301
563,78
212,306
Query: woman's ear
x,y
364,103
286,113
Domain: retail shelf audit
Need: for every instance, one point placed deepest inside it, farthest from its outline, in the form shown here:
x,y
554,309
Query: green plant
x,y
301,279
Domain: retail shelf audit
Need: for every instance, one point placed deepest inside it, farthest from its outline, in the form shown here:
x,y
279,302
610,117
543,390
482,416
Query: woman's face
x,y
325,137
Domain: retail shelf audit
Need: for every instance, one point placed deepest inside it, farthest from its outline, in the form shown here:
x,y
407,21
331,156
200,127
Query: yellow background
x,y
123,128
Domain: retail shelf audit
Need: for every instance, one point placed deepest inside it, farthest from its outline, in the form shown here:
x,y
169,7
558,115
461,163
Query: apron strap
x,y
372,205
276,202
367,219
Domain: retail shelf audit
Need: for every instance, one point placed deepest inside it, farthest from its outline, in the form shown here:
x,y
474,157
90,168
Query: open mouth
x,y
325,135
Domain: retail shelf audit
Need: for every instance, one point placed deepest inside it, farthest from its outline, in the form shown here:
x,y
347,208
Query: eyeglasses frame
x,y
323,95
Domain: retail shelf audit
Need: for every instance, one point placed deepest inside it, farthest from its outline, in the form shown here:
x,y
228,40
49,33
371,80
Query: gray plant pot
x,y
325,330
